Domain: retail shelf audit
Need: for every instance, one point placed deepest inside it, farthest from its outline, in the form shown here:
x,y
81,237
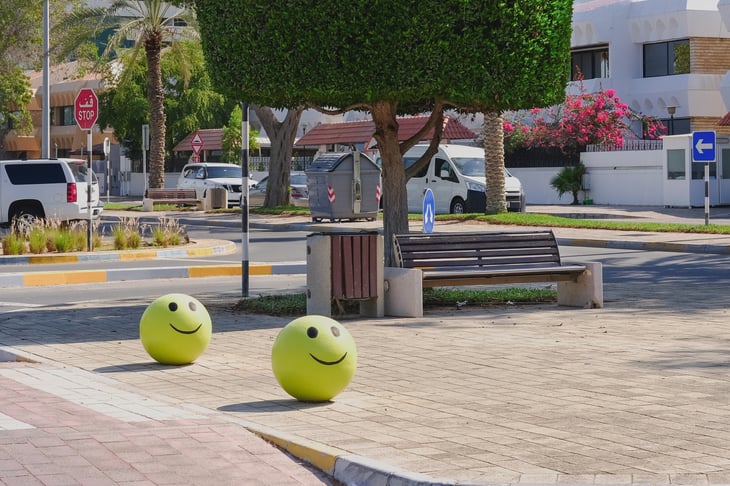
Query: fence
x,y
630,145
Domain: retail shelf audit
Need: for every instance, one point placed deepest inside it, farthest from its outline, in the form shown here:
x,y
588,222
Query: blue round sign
x,y
429,211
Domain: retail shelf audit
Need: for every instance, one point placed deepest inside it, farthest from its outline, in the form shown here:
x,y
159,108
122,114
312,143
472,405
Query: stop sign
x,y
86,108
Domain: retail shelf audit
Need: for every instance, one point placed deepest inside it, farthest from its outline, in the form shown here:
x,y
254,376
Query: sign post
x,y
197,145
703,150
145,147
86,111
429,211
107,149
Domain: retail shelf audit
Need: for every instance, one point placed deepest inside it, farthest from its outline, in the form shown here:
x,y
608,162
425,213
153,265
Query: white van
x,y
456,177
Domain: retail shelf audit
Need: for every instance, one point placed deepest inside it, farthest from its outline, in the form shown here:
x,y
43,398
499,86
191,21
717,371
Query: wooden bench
x,y
171,196
506,257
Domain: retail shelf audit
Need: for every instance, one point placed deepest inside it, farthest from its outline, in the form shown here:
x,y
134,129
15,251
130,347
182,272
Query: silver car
x,y
298,193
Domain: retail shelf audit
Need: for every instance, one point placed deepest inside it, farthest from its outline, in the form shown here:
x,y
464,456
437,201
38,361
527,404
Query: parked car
x,y
47,188
204,175
298,193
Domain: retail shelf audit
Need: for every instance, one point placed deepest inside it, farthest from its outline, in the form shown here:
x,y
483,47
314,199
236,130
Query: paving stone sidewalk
x,y
635,393
64,426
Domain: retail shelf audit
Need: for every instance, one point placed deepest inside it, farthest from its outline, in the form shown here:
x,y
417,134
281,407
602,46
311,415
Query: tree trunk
x,y
395,199
493,135
156,98
282,135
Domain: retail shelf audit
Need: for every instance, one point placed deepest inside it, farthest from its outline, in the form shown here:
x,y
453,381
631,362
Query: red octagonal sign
x,y
86,108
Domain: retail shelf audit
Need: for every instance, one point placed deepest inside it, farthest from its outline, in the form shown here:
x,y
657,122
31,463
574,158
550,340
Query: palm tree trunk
x,y
493,134
156,98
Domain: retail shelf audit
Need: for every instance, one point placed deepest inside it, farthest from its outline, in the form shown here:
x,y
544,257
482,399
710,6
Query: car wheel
x,y
25,217
457,206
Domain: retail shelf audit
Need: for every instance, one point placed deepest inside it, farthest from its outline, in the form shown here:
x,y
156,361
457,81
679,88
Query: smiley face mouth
x,y
328,363
186,332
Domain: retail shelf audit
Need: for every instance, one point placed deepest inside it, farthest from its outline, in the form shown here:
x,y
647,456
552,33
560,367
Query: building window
x,y
675,165
666,58
675,126
67,116
589,63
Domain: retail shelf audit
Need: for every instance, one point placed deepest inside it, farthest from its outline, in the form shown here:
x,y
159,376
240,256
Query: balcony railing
x,y
629,145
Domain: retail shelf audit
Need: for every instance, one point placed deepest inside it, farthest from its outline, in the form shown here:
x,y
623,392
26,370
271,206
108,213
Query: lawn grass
x,y
514,219
296,304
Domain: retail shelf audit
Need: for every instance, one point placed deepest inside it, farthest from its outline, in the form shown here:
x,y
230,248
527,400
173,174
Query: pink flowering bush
x,y
582,119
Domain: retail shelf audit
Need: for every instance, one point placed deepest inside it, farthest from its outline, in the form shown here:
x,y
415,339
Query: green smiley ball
x,y
314,358
175,329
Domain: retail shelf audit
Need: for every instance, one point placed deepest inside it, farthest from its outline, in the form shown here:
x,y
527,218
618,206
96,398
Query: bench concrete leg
x,y
586,291
319,271
403,292
147,204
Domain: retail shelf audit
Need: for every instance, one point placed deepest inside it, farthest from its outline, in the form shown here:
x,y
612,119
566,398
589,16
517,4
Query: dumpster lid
x,y
328,162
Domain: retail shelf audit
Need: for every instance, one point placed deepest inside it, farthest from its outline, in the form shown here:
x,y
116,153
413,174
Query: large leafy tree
x,y
21,24
152,26
390,58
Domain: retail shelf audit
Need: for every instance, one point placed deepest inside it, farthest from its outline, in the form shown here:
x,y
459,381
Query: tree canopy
x,y
390,58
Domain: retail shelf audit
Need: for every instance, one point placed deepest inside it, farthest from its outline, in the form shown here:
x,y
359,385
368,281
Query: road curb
x,y
646,245
341,465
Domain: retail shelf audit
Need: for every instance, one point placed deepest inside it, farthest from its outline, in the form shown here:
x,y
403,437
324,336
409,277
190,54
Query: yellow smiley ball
x,y
175,329
314,358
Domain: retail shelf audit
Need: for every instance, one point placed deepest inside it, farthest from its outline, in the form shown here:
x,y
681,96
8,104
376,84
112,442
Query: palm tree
x,y
569,180
152,26
493,134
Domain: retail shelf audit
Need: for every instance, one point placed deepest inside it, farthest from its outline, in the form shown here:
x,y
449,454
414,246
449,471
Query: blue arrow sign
x,y
703,146
429,211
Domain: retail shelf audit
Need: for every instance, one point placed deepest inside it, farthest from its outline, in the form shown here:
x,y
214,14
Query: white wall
x,y
625,177
536,185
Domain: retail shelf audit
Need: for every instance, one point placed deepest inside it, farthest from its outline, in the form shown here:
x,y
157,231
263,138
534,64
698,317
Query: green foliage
x,y
190,100
484,55
232,138
14,244
569,181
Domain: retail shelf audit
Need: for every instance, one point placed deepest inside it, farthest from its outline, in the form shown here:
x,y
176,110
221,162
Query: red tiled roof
x,y
725,120
212,140
362,131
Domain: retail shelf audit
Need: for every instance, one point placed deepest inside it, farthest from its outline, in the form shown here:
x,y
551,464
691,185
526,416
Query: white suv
x,y
46,188
203,175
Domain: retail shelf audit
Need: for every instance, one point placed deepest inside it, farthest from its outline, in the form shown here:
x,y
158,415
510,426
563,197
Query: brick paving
x,y
633,393
637,392
62,426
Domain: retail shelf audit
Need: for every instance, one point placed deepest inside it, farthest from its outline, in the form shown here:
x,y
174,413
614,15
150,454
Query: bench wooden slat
x,y
489,257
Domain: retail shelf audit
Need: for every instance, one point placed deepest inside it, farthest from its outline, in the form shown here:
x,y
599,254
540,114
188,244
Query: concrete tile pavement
x,y
634,393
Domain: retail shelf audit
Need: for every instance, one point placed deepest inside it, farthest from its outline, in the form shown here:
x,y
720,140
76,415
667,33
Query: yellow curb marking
x,y
200,252
60,278
53,259
137,255
215,271
324,461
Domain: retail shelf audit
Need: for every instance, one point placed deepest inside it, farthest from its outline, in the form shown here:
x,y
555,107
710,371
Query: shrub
x,y
37,240
14,244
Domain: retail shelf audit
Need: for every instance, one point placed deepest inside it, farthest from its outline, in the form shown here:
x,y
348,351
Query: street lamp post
x,y
671,110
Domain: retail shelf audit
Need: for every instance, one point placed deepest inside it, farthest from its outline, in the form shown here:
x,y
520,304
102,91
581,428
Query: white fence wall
x,y
612,178
625,177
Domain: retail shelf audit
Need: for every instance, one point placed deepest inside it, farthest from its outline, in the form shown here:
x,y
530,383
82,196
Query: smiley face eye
x,y
172,306
192,306
335,331
312,332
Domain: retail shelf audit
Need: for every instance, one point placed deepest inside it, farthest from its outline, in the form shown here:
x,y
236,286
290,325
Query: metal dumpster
x,y
343,186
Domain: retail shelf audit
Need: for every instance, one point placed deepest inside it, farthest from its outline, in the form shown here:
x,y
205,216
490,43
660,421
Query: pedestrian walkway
x,y
633,393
